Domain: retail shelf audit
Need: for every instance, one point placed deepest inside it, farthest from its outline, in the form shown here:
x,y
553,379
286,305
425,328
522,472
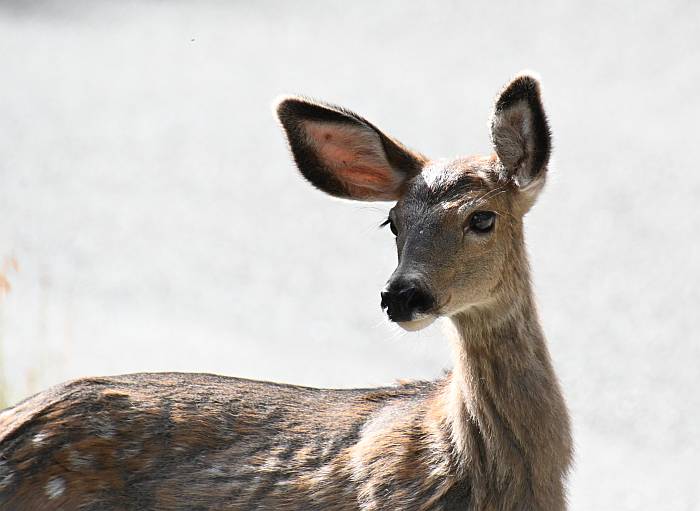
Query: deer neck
x,y
507,415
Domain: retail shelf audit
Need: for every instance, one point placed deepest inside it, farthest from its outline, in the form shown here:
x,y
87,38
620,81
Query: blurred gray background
x,y
151,218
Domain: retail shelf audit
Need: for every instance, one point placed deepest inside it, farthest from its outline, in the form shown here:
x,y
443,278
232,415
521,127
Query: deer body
x,y
493,434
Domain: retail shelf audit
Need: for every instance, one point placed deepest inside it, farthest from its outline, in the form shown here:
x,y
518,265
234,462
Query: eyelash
x,y
391,225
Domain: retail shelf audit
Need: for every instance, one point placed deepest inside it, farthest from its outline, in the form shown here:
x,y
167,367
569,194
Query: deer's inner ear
x,y
355,156
343,154
520,132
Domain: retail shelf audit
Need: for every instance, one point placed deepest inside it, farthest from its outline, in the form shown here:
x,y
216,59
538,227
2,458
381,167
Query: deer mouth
x,y
422,319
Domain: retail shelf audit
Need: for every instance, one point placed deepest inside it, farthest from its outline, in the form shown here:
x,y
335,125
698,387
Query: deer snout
x,y
405,298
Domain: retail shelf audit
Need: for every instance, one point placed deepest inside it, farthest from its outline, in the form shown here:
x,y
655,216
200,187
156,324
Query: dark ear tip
x,y
290,110
282,106
525,86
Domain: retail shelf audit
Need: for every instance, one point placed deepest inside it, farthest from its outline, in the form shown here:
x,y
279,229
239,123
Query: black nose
x,y
402,298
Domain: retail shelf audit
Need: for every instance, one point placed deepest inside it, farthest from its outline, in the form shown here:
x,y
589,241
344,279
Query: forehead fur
x,y
459,180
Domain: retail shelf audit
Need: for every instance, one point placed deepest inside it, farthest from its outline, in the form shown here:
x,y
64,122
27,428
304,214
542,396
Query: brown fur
x,y
492,435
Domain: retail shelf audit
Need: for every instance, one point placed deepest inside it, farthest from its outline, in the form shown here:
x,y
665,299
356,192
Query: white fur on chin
x,y
416,324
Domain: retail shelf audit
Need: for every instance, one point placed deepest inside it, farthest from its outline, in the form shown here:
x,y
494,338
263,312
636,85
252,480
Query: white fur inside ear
x,y
513,139
354,154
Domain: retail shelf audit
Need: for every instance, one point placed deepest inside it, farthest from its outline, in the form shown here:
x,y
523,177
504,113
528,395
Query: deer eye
x,y
391,225
482,221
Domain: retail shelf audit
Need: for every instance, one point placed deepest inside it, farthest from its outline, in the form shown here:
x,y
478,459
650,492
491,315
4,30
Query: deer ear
x,y
344,155
520,132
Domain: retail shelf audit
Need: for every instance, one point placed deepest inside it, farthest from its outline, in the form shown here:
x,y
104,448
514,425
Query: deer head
x,y
457,223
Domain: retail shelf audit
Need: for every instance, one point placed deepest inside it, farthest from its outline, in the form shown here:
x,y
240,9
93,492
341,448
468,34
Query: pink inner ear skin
x,y
366,178
354,155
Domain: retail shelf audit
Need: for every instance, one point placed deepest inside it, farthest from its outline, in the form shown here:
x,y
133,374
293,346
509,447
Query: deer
x,y
491,434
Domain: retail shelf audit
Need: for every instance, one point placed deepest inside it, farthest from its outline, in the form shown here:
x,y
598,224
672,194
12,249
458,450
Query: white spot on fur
x,y
324,473
216,471
55,487
39,438
270,464
483,174
434,173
